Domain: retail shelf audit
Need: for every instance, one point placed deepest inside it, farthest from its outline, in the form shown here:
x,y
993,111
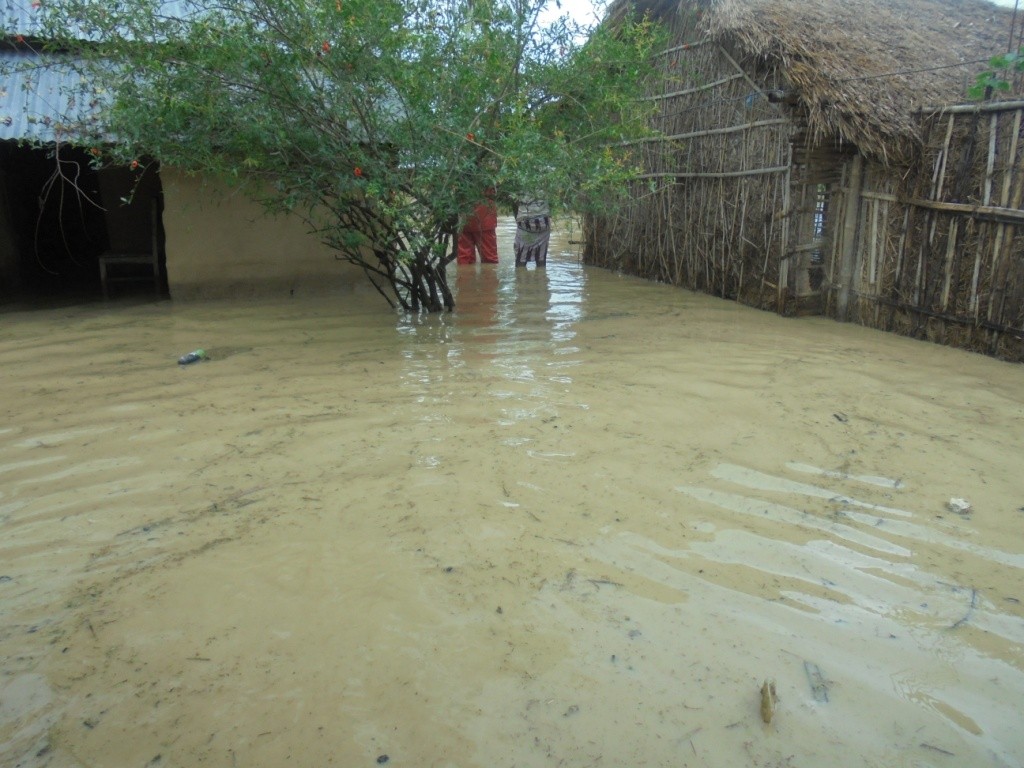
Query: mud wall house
x,y
59,215
816,157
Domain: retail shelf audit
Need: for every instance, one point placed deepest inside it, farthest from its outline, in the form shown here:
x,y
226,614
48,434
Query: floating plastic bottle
x,y
192,357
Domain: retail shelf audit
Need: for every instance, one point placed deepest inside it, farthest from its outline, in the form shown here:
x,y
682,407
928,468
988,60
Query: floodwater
x,y
580,522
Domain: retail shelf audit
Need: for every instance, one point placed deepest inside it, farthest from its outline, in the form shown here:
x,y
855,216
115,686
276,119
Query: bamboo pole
x,y
723,242
919,275
931,221
801,225
950,251
873,249
784,244
683,47
990,164
746,77
837,237
1015,200
849,256
1011,160
995,213
1006,215
665,230
713,175
670,195
706,132
740,241
997,247
683,267
897,280
960,109
695,89
944,155
993,132
885,251
976,273
875,195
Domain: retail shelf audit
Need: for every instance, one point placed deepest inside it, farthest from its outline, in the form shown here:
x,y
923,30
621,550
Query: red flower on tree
x,y
325,47
471,137
358,171
134,165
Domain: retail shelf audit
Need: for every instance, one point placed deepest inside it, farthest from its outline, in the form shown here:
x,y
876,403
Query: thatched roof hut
x,y
860,68
817,157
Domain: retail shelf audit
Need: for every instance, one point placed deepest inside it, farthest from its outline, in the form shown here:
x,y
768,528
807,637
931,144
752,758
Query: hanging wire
x,y
913,71
1013,25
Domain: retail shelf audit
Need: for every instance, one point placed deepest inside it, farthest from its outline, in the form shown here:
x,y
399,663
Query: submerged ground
x,y
578,523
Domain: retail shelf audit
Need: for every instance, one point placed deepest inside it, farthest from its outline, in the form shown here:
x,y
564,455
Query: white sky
x,y
583,11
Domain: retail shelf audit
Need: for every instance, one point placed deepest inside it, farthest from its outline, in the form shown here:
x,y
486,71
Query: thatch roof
x,y
840,56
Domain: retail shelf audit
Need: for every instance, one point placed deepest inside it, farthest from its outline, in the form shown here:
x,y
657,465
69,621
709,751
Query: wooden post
x,y
950,253
1002,229
851,220
783,288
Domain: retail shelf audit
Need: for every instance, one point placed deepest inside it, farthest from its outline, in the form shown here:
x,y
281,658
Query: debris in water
x,y
382,759
194,356
970,609
960,506
768,699
818,685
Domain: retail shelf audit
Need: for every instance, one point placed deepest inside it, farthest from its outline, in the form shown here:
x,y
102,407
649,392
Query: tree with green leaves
x,y
379,122
996,77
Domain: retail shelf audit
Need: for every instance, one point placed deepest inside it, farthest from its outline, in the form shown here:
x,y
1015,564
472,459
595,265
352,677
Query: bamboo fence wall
x,y
941,252
706,212
734,201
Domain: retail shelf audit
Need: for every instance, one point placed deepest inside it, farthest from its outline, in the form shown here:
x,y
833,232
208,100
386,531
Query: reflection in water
x,y
511,320
578,521
520,310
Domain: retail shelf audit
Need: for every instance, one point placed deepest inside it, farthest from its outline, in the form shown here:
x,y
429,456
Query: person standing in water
x,y
480,233
533,232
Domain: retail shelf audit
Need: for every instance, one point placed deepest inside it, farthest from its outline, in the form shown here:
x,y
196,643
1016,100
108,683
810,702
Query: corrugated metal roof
x,y
20,17
43,98
24,17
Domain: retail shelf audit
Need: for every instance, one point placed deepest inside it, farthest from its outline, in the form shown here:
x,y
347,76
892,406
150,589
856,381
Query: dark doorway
x,y
58,214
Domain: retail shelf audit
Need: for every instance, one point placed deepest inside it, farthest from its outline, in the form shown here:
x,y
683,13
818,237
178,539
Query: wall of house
x,y
709,209
936,251
221,244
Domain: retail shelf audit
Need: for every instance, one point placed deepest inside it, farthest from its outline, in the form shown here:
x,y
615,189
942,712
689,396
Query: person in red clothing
x,y
480,233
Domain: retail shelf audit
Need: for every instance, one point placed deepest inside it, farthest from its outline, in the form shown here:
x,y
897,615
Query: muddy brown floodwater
x,y
579,522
